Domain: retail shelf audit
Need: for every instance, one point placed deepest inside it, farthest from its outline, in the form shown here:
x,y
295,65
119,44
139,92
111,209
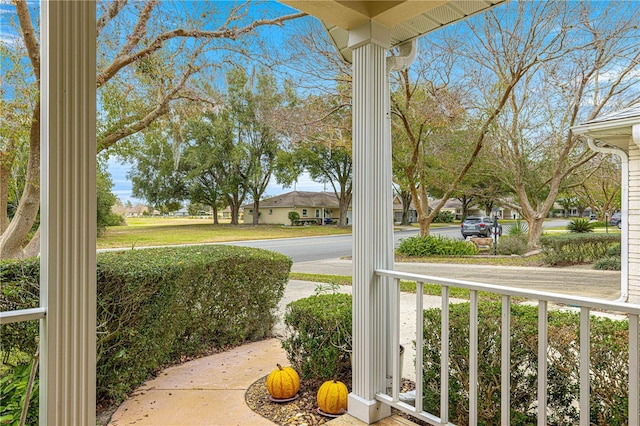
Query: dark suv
x,y
616,220
478,225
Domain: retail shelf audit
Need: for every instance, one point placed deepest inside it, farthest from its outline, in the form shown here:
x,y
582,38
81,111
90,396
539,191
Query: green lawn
x,y
151,231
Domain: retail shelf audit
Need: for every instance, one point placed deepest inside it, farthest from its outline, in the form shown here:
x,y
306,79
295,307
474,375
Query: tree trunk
x,y
405,197
214,212
535,231
235,212
5,172
16,233
256,212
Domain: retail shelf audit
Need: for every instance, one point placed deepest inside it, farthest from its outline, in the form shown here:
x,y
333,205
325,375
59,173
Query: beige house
x,y
312,207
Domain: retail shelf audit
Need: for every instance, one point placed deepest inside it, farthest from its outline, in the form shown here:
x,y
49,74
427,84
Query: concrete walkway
x,y
210,390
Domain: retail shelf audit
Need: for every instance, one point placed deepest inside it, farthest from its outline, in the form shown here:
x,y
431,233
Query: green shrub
x,y
435,246
294,217
157,306
319,337
444,217
611,263
580,226
113,219
568,249
614,250
609,367
512,244
517,228
13,392
600,224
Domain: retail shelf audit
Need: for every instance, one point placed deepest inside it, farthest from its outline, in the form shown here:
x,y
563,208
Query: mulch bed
x,y
299,412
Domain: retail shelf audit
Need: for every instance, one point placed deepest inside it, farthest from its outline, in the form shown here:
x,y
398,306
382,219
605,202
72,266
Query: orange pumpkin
x,y
283,383
332,397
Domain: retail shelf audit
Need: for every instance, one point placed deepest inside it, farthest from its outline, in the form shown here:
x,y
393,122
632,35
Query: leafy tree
x,y
105,200
156,177
148,54
254,105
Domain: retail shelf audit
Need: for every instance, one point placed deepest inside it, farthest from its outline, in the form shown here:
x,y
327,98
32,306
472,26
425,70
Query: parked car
x,y
616,219
591,216
480,226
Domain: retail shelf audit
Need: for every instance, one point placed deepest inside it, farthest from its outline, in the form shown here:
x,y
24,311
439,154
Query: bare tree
x,y
148,53
593,68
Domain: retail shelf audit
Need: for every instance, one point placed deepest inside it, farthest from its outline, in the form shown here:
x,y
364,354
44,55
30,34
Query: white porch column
x,y
68,213
372,218
634,216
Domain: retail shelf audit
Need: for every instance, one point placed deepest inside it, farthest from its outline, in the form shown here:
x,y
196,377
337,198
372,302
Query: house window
x,y
270,211
250,211
317,212
304,212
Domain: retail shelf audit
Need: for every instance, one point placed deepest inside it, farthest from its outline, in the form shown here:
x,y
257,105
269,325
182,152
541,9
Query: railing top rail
x,y
22,315
587,302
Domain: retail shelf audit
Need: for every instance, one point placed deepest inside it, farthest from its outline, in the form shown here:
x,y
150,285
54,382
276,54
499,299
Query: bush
x,y
435,246
113,219
294,217
444,217
611,263
517,228
571,249
580,226
319,337
512,244
600,224
614,250
609,368
157,306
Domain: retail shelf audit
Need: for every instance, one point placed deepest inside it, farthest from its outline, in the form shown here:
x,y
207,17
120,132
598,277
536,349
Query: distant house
x,y
311,206
226,214
397,211
454,206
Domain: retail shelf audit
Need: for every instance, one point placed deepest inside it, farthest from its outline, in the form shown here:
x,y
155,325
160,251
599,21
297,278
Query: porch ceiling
x,y
614,129
407,19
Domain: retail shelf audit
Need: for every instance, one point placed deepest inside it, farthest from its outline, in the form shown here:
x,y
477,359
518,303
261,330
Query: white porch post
x,y
372,219
68,213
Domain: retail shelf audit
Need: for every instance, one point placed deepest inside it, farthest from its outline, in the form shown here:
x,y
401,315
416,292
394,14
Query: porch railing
x,y
585,305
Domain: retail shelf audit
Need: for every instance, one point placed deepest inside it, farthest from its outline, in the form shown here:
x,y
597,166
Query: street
x,y
336,246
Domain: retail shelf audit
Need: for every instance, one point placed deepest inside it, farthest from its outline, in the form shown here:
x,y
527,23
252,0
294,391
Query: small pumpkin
x,y
332,397
283,383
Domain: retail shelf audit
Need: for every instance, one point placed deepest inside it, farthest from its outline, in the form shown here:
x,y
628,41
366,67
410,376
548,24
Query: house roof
x,y
299,199
615,128
407,19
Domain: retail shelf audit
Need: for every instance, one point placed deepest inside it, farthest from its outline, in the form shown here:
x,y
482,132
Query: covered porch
x,y
364,32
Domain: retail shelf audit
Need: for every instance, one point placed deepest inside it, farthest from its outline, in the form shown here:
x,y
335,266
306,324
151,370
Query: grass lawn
x,y
405,286
152,231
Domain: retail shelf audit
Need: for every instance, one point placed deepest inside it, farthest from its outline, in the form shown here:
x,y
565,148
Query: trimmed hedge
x,y
159,306
437,245
609,366
318,345
575,248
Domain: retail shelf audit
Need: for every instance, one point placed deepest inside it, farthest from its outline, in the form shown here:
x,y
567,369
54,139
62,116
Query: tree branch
x,y
29,36
124,58
114,8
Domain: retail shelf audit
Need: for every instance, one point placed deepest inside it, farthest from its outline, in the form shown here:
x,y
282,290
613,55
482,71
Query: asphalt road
x,y
310,249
